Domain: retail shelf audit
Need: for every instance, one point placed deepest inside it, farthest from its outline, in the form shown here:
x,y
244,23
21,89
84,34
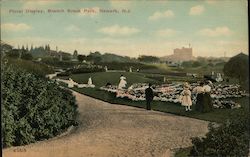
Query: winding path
x,y
107,130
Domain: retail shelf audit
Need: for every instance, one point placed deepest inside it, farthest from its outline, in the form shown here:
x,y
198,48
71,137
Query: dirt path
x,y
108,130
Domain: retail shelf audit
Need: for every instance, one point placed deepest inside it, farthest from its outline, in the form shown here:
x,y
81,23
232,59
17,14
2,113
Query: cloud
x,y
15,27
117,30
196,10
120,4
38,4
211,1
158,15
72,28
166,32
218,31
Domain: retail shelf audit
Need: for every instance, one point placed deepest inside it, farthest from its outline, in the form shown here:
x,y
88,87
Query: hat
x,y
186,85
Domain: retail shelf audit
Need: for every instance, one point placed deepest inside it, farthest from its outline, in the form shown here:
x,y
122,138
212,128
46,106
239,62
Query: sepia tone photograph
x,y
123,78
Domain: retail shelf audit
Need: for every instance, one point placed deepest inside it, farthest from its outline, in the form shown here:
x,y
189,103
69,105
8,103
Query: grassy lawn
x,y
102,78
183,152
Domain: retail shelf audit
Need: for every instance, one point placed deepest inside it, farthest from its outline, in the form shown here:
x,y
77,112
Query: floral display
x,y
171,93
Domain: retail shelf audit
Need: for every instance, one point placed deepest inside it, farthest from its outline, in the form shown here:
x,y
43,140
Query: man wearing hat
x,y
149,96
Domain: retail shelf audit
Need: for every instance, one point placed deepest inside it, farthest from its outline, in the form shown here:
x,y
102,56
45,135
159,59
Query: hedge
x,y
229,139
33,108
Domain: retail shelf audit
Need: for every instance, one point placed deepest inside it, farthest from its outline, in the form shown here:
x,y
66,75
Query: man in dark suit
x,y
149,96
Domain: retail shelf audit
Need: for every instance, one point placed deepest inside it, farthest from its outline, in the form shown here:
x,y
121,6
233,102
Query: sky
x,y
214,28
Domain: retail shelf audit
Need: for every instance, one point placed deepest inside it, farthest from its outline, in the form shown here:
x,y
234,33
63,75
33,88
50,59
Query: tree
x,y
81,58
150,59
14,53
196,64
31,48
237,67
97,60
27,56
95,57
75,54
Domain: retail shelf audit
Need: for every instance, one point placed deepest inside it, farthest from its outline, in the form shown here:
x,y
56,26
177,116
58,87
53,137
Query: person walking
x,y
186,97
149,96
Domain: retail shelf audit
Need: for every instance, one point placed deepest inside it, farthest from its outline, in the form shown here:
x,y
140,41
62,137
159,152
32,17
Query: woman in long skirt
x,y
207,100
199,90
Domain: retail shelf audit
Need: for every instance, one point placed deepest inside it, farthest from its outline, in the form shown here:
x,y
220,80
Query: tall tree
x,y
237,67
81,58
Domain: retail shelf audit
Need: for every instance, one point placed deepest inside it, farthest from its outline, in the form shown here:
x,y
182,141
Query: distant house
x,y
180,55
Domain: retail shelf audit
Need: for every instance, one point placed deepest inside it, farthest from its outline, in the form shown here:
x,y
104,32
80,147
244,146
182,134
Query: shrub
x,y
39,69
27,56
229,139
33,108
56,63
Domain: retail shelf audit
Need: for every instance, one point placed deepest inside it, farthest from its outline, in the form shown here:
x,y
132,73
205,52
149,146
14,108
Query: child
x,y
186,97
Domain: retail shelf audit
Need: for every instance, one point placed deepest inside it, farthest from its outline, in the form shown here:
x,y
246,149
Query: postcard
x,y
149,78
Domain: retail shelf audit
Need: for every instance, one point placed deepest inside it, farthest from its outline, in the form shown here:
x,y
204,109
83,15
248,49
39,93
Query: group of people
x,y
202,91
203,98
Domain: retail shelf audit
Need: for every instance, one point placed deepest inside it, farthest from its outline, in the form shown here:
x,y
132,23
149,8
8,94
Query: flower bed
x,y
171,93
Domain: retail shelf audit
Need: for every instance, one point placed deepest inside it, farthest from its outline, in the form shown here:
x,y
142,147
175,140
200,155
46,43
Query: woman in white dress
x,y
90,81
122,83
186,97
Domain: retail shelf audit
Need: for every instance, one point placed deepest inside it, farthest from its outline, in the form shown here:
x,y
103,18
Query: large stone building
x,y
181,54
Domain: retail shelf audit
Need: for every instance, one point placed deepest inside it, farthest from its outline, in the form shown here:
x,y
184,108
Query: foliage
x,y
182,152
148,59
30,66
33,108
56,63
237,67
14,53
231,138
81,58
193,64
85,69
196,64
108,58
26,56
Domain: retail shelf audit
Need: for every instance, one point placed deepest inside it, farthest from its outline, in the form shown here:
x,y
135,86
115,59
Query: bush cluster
x,y
39,69
229,139
57,63
33,108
